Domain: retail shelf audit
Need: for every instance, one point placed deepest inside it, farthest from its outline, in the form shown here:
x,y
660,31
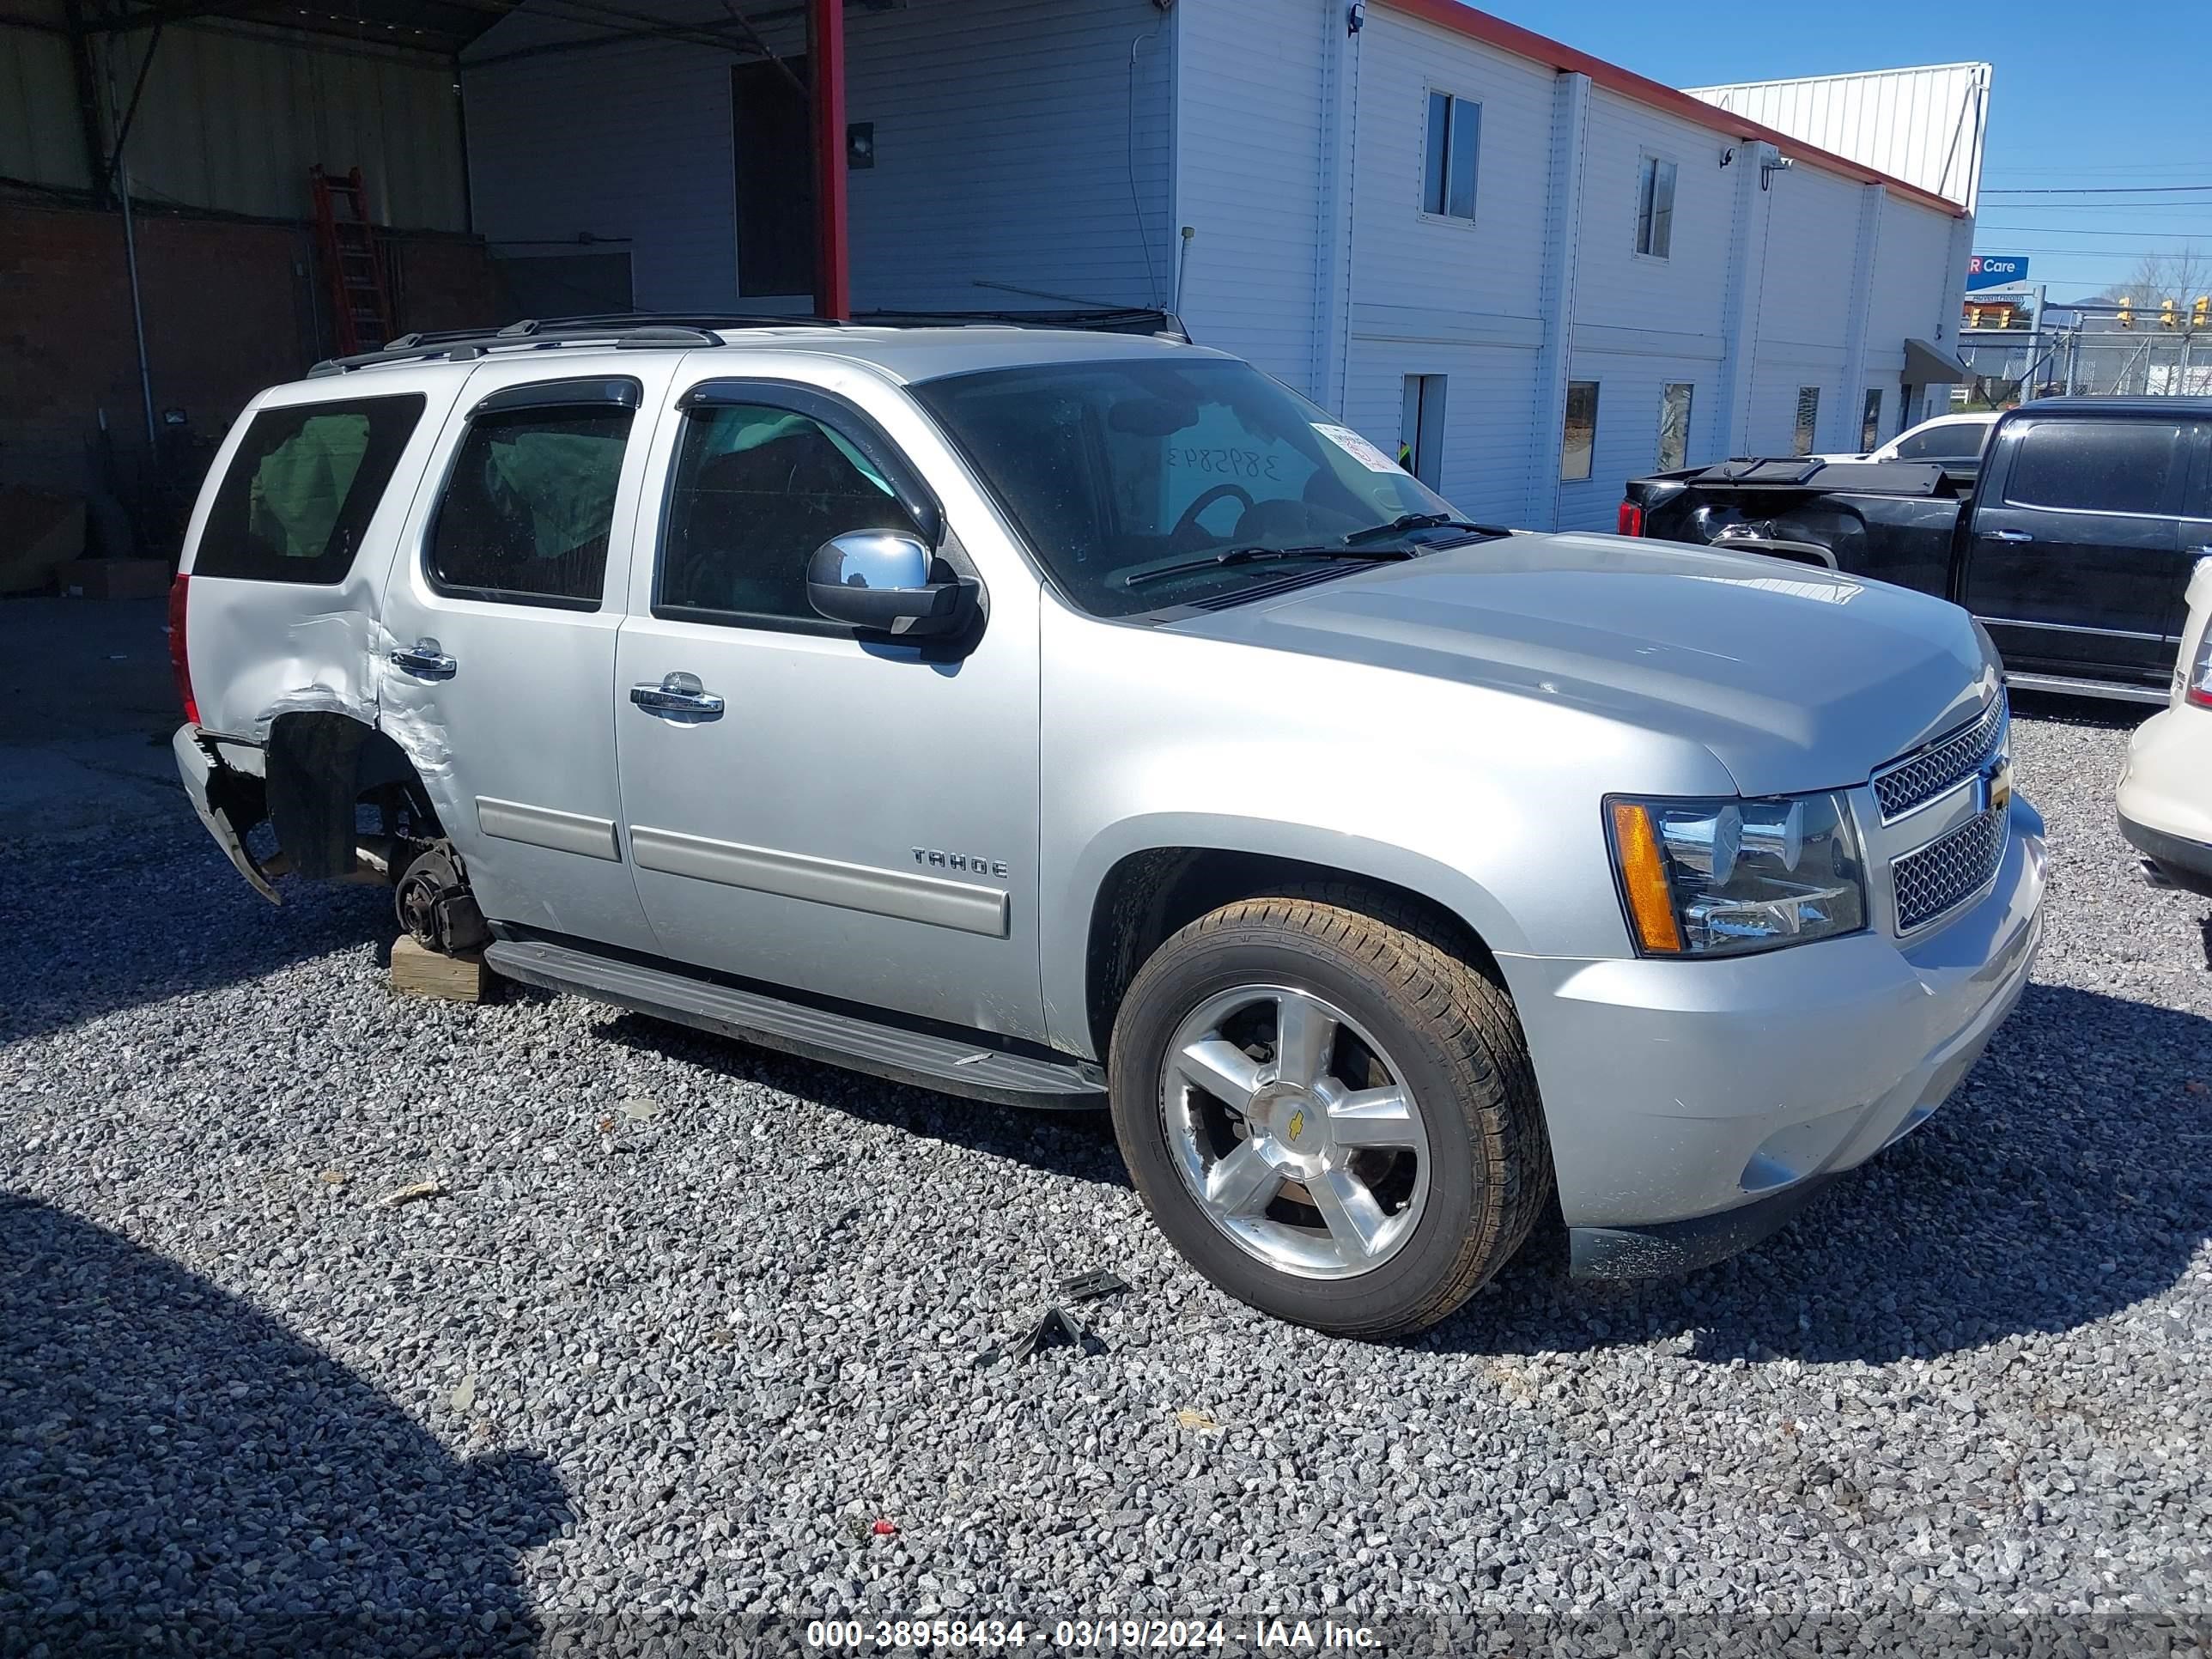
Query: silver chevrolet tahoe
x,y
1067,718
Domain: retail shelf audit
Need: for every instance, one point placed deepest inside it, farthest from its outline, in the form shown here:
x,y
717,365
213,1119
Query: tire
x,y
1453,1185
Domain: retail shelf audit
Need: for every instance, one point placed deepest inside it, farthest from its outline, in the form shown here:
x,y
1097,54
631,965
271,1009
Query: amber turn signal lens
x,y
1644,872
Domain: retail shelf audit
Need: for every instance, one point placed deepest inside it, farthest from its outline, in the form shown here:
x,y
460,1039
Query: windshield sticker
x,y
1357,447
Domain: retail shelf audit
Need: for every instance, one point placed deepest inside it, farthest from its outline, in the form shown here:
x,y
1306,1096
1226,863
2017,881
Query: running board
x,y
2067,685
862,1045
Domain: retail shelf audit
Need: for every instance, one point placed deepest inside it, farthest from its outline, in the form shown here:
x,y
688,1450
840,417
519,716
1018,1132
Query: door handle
x,y
2010,536
424,659
678,698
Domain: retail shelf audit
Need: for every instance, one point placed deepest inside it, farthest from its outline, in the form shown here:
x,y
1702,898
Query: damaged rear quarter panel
x,y
260,650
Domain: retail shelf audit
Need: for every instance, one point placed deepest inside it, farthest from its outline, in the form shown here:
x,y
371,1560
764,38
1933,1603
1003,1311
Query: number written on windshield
x,y
1234,463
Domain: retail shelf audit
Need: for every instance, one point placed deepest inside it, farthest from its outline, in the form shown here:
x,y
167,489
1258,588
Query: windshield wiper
x,y
1406,523
1258,555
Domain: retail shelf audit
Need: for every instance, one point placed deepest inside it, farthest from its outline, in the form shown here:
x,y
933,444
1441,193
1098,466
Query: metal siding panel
x,y
1004,153
1400,258
1250,112
41,138
1683,293
1905,122
630,141
234,121
1016,141
1627,445
1489,391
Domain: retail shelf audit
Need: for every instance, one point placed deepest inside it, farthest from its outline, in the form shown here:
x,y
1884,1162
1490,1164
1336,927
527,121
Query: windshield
x,y
1115,470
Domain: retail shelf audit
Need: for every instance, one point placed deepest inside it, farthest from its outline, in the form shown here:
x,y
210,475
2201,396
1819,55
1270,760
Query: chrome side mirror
x,y
879,579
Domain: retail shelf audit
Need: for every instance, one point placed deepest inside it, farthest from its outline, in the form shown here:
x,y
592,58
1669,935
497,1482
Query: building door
x,y
1421,429
774,152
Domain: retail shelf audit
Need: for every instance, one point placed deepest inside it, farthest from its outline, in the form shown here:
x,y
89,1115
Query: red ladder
x,y
361,298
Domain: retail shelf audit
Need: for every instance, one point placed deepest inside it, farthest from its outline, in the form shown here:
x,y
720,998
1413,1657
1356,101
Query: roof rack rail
x,y
635,330
646,329
1123,320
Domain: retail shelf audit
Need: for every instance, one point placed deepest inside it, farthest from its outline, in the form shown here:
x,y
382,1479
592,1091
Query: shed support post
x,y
825,58
96,164
1747,279
1843,435
1333,235
1570,96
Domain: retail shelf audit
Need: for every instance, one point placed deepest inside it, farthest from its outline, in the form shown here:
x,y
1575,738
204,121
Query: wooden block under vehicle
x,y
422,972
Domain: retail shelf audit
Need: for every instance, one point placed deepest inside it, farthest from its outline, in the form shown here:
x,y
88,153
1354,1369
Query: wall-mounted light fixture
x,y
1728,155
1768,169
1355,16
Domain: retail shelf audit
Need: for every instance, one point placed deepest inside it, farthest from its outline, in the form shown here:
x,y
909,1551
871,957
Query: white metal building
x,y
1924,124
1537,272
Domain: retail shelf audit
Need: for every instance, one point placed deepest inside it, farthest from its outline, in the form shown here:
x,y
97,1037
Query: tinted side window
x,y
529,504
757,490
1945,443
302,488
2197,503
2095,466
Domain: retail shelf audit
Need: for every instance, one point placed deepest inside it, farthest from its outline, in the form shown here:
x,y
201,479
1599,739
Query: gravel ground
x,y
689,1333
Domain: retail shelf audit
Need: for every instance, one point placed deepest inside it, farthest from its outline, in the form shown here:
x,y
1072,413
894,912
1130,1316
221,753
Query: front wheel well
x,y
1150,895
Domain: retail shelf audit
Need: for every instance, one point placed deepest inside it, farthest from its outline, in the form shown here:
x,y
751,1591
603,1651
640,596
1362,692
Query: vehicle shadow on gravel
x,y
1078,1145
178,1470
91,926
2060,1185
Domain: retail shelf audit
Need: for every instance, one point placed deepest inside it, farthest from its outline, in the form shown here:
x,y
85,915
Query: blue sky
x,y
2081,97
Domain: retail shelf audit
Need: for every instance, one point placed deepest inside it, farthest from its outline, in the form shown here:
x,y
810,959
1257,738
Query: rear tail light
x,y
1630,522
180,664
2198,688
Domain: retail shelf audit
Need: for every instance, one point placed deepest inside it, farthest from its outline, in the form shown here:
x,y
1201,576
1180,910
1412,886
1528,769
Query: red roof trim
x,y
1527,43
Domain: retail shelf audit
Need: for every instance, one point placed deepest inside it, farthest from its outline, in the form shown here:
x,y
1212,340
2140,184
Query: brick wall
x,y
230,308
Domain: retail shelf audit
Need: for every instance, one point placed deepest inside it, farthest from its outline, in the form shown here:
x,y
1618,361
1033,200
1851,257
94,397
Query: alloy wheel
x,y
1295,1131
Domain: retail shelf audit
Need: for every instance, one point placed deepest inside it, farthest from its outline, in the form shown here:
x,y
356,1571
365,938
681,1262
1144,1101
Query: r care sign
x,y
1995,271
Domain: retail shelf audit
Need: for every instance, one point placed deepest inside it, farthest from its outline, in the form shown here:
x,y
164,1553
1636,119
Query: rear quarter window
x,y
2095,466
302,488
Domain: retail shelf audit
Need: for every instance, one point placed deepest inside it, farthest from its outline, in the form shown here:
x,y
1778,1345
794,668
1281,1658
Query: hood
x,y
1794,677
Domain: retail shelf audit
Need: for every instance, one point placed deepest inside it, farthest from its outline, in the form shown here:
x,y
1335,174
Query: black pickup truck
x,y
2073,544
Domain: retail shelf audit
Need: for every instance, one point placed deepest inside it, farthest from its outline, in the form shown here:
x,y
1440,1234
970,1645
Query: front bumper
x,y
1694,1106
2165,798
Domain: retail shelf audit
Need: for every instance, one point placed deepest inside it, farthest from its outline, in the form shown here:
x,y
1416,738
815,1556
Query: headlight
x,y
1719,878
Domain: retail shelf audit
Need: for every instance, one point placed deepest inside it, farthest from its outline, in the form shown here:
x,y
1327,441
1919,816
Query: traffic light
x,y
2127,312
2200,314
2166,318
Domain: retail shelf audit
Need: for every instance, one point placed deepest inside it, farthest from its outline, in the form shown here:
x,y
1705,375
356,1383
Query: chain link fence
x,y
2011,365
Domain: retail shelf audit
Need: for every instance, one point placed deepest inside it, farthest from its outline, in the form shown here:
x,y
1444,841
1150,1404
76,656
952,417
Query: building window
x,y
1808,417
1579,439
1421,428
1674,425
1870,420
1655,208
1454,141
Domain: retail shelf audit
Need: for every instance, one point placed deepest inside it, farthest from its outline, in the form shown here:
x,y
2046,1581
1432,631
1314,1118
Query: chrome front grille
x,y
1950,869
1918,779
